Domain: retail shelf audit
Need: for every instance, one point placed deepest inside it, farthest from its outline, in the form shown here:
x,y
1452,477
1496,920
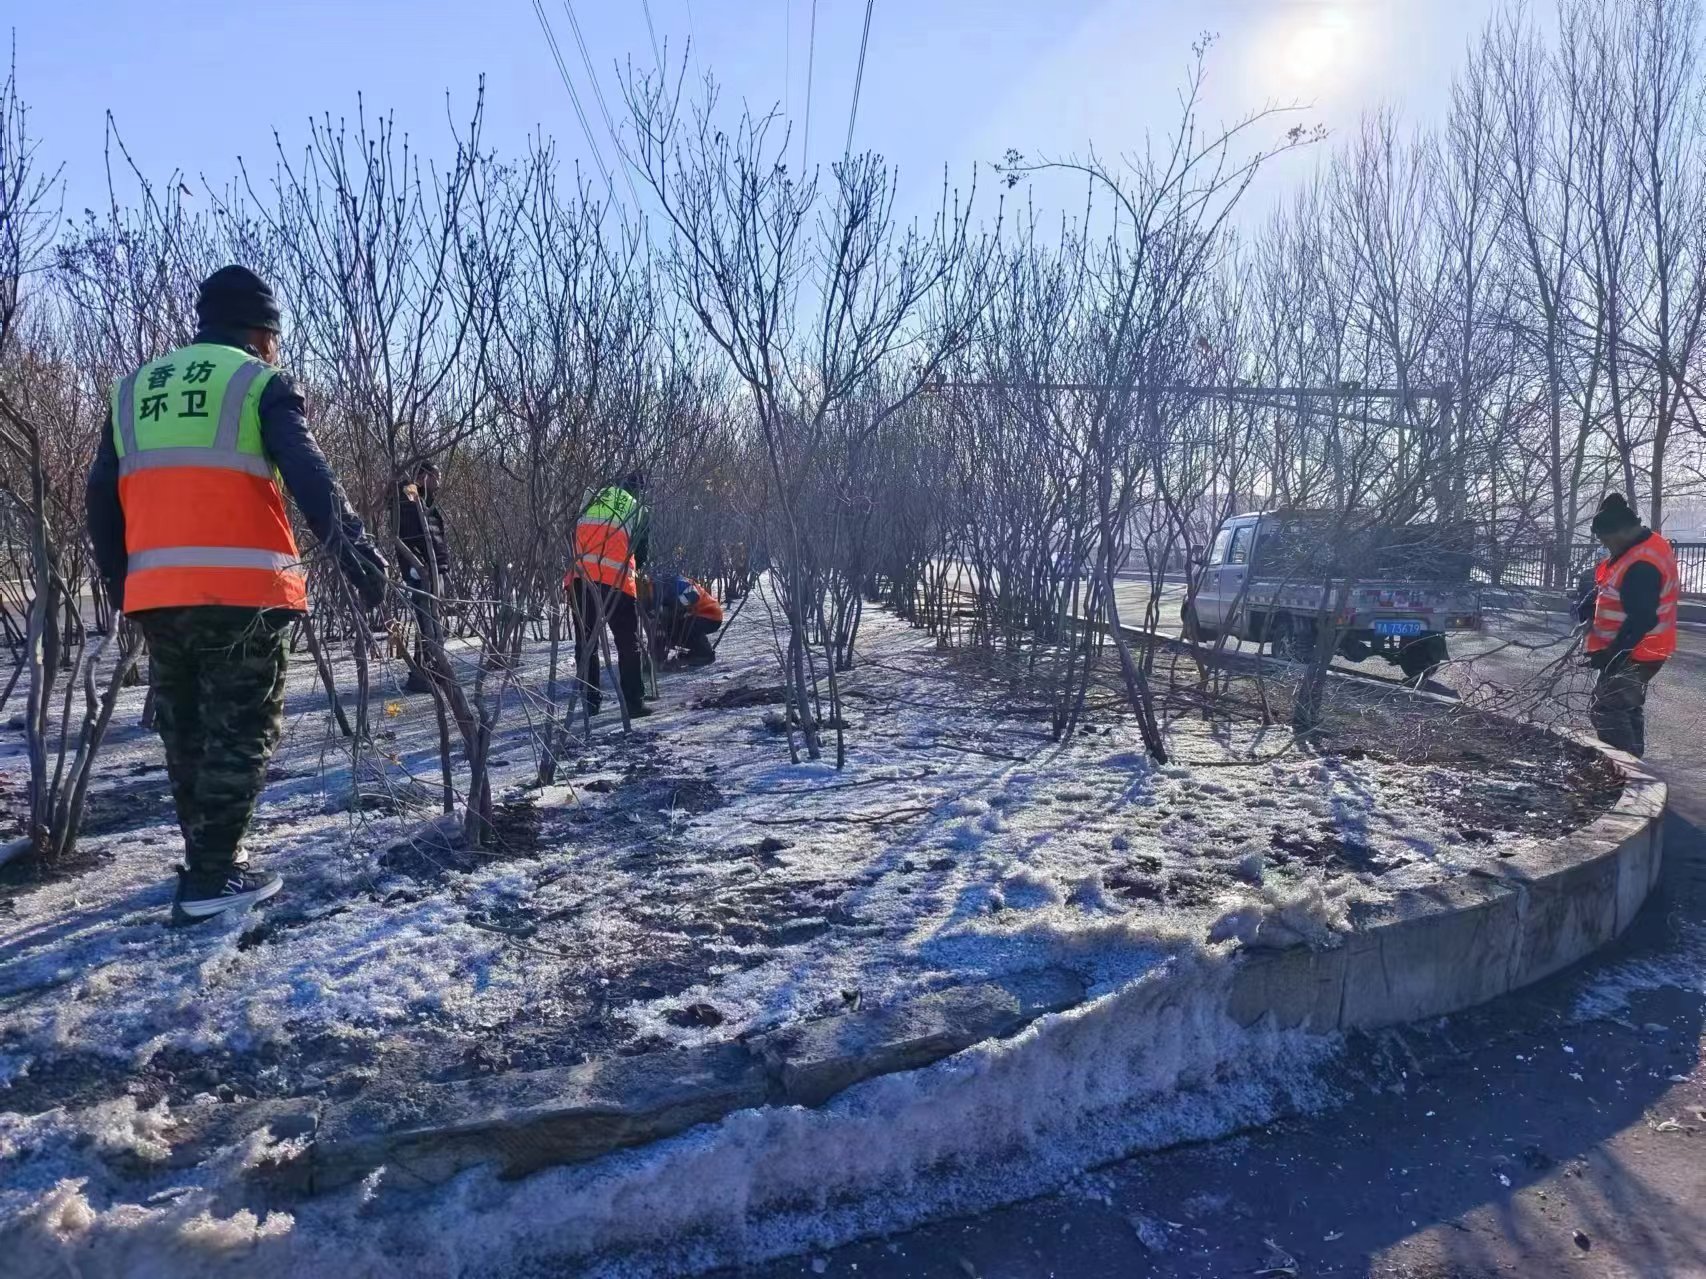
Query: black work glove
x,y
367,574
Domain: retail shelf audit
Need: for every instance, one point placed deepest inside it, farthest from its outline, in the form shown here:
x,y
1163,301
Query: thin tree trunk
x,y
327,681
1136,684
97,718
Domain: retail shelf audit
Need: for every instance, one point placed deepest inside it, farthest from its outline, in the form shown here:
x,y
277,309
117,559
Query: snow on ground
x,y
1152,1064
1682,966
682,884
694,865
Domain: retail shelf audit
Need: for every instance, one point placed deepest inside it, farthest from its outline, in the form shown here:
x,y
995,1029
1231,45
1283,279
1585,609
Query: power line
x,y
1228,391
693,37
598,94
657,51
811,60
858,80
574,98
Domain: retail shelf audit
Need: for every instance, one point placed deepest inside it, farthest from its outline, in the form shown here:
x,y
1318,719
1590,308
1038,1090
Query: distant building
x,y
1685,519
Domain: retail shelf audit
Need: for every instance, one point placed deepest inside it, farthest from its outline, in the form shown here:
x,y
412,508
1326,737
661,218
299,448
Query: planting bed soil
x,y
685,883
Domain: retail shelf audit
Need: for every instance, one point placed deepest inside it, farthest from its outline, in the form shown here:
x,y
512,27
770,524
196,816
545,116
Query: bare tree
x,y
883,306
1172,206
40,407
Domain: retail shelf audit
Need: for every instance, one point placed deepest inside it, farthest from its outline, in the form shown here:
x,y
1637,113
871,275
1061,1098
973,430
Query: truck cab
x,y
1220,580
1296,579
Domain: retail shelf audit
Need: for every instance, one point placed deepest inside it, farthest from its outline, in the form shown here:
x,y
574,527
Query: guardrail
x,y
1529,565
1536,566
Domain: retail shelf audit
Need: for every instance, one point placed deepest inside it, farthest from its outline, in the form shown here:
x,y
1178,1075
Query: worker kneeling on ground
x,y
603,587
684,617
193,541
1631,611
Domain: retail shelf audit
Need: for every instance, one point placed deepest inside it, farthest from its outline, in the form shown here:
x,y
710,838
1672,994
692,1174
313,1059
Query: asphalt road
x,y
1514,1140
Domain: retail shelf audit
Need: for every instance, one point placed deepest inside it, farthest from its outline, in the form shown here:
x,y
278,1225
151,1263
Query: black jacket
x,y
290,447
1639,594
420,527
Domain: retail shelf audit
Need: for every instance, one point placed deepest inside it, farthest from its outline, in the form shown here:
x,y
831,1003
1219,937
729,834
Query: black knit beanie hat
x,y
1614,515
234,297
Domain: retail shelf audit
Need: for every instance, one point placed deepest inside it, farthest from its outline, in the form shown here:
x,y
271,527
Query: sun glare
x,y
1314,51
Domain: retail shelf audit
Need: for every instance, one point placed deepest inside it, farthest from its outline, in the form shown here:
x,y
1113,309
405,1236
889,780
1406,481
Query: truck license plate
x,y
1399,626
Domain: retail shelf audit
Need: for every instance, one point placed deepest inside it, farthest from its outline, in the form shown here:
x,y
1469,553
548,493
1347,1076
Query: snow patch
x,y
1682,967
116,1127
1154,1063
1026,889
1315,913
799,884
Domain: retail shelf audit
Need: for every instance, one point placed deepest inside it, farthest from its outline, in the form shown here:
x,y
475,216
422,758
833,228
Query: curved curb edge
x,y
1439,950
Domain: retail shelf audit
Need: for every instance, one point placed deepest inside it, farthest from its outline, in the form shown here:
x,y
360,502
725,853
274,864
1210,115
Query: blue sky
x,y
194,85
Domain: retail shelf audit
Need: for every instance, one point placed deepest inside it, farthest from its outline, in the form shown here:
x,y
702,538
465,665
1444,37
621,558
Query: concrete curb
x,y
1442,949
527,1120
1426,953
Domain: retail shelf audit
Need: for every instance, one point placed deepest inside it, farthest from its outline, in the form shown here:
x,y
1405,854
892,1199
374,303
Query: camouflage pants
x,y
219,706
1619,704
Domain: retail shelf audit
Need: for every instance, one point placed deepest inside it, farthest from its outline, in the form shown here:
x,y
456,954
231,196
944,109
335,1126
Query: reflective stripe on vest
x,y
620,566
164,459
212,557
205,521
1608,612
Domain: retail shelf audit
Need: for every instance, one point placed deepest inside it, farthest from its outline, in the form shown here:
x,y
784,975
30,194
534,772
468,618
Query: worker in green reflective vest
x,y
603,585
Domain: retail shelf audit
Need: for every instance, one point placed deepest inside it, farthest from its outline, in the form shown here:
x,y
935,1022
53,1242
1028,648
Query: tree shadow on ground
x,y
1422,1172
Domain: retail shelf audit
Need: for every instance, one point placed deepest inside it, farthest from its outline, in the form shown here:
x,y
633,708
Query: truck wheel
x,y
1422,658
1191,628
1293,640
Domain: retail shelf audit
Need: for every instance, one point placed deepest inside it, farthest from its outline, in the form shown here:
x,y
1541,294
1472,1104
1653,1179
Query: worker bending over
x,y
684,617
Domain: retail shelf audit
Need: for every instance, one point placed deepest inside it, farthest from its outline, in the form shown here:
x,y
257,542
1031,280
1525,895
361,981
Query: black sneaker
x,y
204,894
639,712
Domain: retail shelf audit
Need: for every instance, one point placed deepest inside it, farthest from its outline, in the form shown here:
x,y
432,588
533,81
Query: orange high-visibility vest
x,y
204,515
603,546
1658,643
704,604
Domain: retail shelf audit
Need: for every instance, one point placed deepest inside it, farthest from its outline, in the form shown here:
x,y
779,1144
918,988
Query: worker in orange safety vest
x,y
192,539
1631,616
603,587
684,616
